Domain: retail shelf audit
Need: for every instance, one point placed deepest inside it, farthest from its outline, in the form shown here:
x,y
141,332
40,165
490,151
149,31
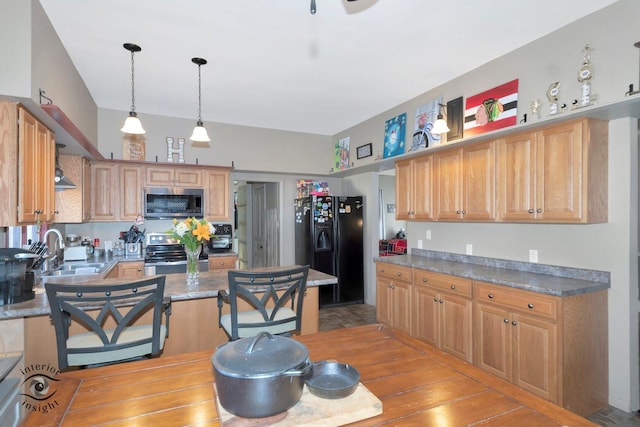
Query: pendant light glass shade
x,y
132,124
440,125
199,136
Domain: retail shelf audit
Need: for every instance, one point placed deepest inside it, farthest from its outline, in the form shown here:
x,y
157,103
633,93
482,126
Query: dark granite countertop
x,y
210,282
541,278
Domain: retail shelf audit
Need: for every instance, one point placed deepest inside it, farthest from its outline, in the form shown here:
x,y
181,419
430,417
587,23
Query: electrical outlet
x,y
469,249
533,255
419,243
428,234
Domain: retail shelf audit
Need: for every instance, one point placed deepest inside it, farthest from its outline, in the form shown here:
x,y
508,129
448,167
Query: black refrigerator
x,y
328,237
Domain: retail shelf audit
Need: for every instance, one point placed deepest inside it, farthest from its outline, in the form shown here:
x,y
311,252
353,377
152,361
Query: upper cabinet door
x,y
216,195
516,167
559,167
448,185
478,182
36,158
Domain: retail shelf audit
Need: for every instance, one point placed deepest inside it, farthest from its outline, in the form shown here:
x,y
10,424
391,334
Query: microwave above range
x,y
169,203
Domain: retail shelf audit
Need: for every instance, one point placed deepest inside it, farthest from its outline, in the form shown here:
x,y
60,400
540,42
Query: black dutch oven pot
x,y
260,376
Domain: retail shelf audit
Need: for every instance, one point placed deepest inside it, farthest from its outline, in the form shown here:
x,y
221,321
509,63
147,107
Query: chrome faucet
x,y
52,257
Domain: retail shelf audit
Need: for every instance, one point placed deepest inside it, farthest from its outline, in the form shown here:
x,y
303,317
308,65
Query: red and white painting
x,y
492,109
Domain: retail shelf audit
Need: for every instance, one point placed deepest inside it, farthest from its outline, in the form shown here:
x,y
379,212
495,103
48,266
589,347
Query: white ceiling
x,y
274,65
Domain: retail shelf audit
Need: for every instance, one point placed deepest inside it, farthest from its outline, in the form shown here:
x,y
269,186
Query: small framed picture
x,y
364,151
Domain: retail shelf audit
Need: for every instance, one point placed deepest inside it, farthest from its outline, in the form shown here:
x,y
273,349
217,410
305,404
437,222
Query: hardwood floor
x,y
361,314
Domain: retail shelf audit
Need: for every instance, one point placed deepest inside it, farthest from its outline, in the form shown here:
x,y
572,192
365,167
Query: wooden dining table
x,y
416,383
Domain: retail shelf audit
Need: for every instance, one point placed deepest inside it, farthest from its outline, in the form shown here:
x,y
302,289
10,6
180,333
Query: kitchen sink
x,y
81,265
77,268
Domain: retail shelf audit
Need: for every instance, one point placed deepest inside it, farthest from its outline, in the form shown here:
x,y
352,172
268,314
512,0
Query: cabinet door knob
x,y
464,212
382,270
530,211
424,280
458,212
539,210
441,301
514,323
490,296
530,305
506,320
453,286
435,299
399,274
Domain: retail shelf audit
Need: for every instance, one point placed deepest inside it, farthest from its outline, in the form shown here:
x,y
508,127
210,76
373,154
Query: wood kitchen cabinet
x,y
393,296
130,269
555,174
130,192
554,347
222,262
73,205
116,191
27,167
104,185
442,312
414,179
464,183
173,176
216,194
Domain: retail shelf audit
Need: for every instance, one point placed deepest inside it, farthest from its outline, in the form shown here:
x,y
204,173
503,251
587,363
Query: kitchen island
x,y
193,321
416,383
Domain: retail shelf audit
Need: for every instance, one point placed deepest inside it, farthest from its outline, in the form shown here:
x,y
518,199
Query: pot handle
x,y
255,340
301,372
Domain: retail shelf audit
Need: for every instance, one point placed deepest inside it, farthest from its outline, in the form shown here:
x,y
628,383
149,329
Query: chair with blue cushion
x,y
274,299
112,320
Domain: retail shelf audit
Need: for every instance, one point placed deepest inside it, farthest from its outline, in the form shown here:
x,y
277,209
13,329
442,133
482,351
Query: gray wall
x,y
612,246
250,149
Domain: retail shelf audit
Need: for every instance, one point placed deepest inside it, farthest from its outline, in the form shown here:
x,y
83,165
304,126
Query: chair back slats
x,y
278,288
120,306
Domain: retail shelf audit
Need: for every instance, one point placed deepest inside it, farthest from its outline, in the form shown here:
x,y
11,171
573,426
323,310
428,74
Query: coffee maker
x,y
17,277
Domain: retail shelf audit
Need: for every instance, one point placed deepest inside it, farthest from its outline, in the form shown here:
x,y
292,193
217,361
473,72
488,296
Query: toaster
x,y
75,253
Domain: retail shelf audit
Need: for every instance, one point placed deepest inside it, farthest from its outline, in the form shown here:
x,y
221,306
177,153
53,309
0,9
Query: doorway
x,y
257,223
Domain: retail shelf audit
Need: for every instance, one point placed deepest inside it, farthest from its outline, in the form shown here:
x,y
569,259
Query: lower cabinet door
x,y
493,340
401,306
425,309
534,356
456,326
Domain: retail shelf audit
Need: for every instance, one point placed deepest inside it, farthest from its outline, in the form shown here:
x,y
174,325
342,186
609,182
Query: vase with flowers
x,y
192,233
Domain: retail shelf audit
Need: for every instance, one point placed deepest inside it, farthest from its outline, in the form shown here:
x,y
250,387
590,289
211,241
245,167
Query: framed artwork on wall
x,y
342,154
492,109
394,130
364,151
426,116
455,114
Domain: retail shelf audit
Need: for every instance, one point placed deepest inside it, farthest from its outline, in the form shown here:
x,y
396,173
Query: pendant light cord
x,y
199,97
133,91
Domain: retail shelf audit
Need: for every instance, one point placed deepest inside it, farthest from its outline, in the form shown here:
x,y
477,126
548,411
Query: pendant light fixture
x,y
440,126
199,137
132,123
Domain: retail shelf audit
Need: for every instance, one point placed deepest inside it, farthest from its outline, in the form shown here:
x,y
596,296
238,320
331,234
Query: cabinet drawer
x,y
395,272
444,282
522,301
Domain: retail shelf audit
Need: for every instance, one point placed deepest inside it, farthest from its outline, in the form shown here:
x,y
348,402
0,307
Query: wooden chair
x,y
270,312
111,314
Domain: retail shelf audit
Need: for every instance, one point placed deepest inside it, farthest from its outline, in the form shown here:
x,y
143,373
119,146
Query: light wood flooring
x,y
346,316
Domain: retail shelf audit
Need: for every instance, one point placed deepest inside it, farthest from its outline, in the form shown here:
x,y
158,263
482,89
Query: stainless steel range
x,y
165,255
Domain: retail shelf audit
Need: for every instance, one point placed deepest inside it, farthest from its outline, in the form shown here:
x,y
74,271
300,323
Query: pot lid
x,y
260,356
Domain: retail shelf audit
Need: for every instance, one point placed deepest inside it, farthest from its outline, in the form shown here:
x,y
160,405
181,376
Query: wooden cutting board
x,y
313,410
